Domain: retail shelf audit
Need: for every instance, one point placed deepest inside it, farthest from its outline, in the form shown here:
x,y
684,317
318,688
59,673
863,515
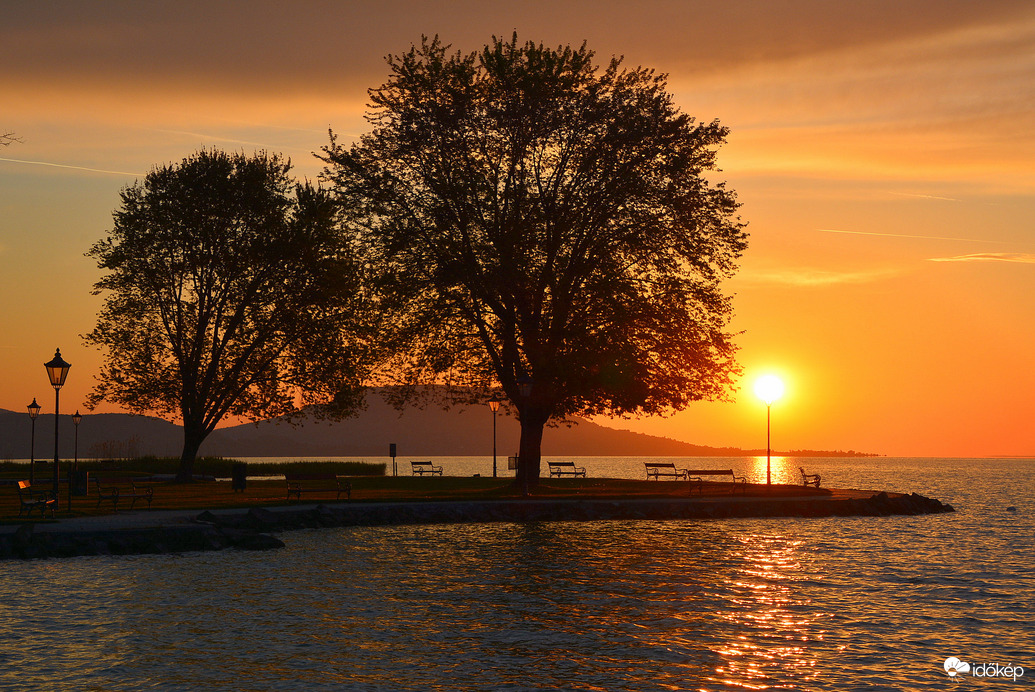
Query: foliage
x,y
228,291
537,217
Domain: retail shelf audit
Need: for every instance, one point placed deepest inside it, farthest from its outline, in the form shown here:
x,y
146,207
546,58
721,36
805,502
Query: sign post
x,y
391,453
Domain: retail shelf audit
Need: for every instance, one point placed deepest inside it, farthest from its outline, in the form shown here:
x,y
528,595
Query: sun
x,y
769,388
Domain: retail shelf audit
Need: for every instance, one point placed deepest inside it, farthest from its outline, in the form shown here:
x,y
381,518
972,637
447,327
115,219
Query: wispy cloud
x,y
914,194
69,166
204,136
808,277
1015,257
905,235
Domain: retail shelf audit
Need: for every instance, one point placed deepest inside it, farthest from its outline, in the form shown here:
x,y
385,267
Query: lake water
x,y
791,604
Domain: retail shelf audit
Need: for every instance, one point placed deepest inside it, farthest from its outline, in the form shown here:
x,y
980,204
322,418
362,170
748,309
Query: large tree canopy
x,y
540,219
229,291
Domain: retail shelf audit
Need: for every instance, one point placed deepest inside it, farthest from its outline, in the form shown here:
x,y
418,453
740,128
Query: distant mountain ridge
x,y
417,432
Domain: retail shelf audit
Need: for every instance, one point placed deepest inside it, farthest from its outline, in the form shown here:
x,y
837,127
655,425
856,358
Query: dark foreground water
x,y
797,604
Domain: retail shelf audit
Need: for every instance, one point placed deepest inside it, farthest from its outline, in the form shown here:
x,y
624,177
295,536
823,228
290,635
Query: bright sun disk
x,y
769,388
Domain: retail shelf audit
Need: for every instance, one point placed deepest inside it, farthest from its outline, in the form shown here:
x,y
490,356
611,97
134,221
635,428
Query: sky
x,y
883,153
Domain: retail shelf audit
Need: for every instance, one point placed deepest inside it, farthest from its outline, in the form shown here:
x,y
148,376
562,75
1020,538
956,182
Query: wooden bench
x,y
117,489
657,469
419,468
298,483
808,479
31,499
694,476
566,468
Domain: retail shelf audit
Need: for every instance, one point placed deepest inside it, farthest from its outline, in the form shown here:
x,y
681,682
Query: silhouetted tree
x,y
547,220
229,291
7,137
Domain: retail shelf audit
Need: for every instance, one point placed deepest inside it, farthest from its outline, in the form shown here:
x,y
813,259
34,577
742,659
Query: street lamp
x,y
34,411
769,388
77,418
494,406
57,371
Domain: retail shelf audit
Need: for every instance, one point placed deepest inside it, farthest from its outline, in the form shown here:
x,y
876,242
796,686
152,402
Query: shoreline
x,y
178,531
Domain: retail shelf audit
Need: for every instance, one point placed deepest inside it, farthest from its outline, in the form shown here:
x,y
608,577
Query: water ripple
x,y
809,604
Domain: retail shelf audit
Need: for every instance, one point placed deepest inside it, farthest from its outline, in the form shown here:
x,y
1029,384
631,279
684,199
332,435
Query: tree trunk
x,y
533,420
192,439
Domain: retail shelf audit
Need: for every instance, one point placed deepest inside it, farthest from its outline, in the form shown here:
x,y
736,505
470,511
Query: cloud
x,y
912,194
1015,257
904,235
808,277
75,168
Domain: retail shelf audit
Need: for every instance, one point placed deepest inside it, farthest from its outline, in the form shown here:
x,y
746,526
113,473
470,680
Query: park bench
x,y
118,489
298,483
31,499
566,468
808,479
419,468
694,476
658,469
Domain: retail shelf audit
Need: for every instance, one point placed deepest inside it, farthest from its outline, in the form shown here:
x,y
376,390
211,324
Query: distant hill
x,y
417,432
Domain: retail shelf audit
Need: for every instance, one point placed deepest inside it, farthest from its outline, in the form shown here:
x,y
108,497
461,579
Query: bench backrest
x,y
658,465
421,463
561,463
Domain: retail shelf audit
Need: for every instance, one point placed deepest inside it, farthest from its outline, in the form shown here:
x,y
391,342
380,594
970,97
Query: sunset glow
x,y
881,155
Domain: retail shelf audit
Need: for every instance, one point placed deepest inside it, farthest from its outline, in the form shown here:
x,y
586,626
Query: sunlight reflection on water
x,y
806,604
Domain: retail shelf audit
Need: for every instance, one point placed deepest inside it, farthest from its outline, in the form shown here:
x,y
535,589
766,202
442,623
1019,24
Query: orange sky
x,y
883,152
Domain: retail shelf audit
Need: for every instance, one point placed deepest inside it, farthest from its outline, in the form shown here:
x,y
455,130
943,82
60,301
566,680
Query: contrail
x,y
1019,257
202,135
903,235
913,194
74,168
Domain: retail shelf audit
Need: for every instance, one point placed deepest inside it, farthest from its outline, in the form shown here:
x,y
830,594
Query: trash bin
x,y
239,476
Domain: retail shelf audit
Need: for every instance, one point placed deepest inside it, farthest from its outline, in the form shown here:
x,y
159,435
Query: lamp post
x,y
494,406
77,418
57,371
34,411
769,388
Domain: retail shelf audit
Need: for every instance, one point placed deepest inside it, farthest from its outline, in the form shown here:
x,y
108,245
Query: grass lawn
x,y
266,492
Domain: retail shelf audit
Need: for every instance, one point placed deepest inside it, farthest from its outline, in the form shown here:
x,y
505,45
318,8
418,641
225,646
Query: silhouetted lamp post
x,y
34,411
77,418
494,406
57,371
769,388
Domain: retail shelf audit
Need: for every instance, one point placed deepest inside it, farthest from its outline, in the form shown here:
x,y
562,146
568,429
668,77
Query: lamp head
x,y
524,384
57,370
77,417
34,409
494,403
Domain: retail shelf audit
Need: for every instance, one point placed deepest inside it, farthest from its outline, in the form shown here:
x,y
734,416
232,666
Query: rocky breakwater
x,y
252,530
27,543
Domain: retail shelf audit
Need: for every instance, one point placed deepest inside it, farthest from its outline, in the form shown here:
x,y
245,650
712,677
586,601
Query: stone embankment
x,y
253,529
